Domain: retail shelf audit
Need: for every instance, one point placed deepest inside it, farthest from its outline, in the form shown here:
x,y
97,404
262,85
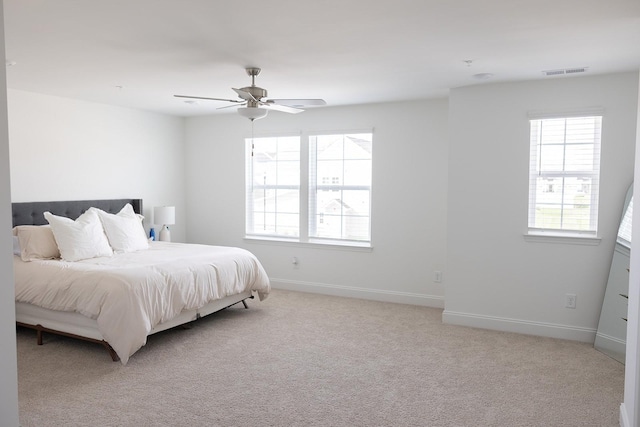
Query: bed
x,y
118,299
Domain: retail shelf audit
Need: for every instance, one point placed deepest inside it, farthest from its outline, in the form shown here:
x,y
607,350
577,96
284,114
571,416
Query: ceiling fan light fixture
x,y
253,113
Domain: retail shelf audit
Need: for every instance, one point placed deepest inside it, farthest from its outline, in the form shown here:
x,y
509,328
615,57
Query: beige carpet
x,y
300,359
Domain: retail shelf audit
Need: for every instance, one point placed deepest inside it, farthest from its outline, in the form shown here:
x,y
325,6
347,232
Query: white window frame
x,y
593,174
307,208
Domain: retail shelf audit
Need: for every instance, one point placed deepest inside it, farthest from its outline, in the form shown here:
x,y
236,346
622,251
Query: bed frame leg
x,y
111,351
39,336
244,301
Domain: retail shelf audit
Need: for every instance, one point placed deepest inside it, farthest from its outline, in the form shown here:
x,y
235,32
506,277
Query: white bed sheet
x,y
129,294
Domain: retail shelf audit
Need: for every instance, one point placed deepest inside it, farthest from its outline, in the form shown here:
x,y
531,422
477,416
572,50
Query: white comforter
x,y
129,294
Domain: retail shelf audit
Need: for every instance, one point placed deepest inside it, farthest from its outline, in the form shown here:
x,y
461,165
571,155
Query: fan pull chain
x,y
253,146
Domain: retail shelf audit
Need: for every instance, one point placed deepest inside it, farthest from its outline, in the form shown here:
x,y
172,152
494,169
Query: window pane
x,y
358,146
579,157
356,213
264,200
581,130
577,191
337,220
551,157
289,148
329,202
552,131
288,173
273,181
357,172
329,172
329,226
340,186
287,225
329,147
549,191
576,217
264,223
548,216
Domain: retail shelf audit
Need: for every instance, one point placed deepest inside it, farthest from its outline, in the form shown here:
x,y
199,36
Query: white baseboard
x,y
624,419
551,330
363,293
611,346
527,327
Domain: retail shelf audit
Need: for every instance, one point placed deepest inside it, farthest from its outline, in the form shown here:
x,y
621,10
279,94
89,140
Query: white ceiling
x,y
139,53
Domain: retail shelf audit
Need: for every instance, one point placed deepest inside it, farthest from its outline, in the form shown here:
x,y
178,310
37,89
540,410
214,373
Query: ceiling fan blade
x,y
283,108
209,99
298,102
244,94
232,105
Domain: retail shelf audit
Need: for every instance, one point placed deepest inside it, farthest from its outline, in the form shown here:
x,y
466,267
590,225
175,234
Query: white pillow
x,y
80,239
35,242
124,229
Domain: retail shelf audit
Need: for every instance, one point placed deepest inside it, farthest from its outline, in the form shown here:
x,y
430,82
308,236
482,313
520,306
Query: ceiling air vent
x,y
564,71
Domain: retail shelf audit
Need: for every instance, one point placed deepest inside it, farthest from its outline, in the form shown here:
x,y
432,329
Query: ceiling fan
x,y
253,103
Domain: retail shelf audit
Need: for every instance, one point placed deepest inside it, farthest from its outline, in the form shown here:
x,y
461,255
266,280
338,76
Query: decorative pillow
x,y
35,242
80,239
124,229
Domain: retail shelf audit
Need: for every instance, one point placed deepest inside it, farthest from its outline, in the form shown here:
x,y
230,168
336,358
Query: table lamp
x,y
164,215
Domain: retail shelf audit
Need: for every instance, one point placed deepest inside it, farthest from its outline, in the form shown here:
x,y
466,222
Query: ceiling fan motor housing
x,y
255,91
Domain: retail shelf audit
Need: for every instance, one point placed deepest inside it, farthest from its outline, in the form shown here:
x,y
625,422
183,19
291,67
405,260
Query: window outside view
x,y
564,174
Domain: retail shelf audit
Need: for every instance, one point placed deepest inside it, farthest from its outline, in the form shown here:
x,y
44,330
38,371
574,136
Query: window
x,y
624,232
310,189
564,175
273,187
340,186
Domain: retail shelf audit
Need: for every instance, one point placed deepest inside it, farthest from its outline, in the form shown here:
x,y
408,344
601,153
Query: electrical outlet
x,y
570,301
437,276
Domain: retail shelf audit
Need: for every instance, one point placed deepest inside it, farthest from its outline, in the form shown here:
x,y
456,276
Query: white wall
x,y
408,202
8,362
629,410
65,149
495,278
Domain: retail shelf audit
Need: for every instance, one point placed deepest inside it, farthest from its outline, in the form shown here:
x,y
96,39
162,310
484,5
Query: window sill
x,y
568,239
312,243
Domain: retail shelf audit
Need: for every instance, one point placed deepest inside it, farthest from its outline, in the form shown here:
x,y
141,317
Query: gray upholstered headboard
x,y
31,213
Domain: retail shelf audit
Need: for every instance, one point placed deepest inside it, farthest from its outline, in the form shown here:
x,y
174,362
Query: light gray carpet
x,y
301,359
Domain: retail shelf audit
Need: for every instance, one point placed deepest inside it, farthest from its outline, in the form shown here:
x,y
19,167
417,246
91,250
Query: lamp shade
x,y
164,215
